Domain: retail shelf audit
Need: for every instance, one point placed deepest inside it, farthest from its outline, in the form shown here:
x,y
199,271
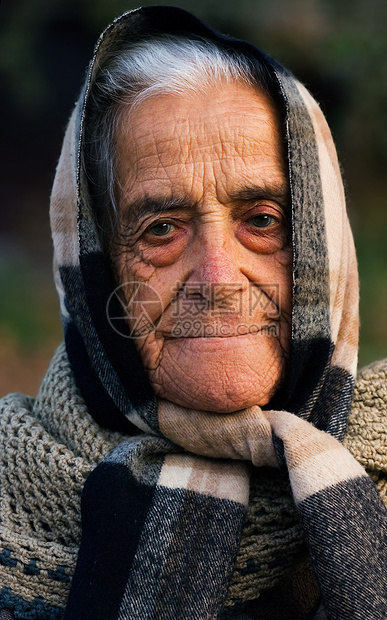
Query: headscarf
x,y
162,515
325,290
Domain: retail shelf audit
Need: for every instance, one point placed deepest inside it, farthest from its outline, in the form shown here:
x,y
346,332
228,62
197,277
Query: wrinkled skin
x,y
202,204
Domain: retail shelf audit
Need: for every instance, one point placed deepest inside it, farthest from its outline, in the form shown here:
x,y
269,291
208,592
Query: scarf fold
x,y
196,505
343,518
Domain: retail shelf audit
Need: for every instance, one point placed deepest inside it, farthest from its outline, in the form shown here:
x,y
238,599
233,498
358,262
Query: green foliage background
x,y
337,47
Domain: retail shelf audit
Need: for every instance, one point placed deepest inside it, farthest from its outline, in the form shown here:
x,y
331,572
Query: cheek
x,y
132,277
144,288
273,274
282,275
284,257
150,348
130,266
164,252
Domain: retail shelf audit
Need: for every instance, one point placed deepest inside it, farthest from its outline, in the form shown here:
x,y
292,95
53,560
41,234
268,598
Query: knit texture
x,y
366,437
48,448
272,538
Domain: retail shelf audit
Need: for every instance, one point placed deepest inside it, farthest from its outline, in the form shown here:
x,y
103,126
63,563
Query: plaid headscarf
x,y
162,525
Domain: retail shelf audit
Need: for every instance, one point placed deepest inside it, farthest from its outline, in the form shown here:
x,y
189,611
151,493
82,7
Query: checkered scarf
x,y
162,515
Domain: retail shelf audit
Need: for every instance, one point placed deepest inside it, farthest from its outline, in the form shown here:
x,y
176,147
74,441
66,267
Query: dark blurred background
x,y
337,47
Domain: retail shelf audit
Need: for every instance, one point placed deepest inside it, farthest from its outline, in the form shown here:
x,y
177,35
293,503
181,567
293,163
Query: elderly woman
x,y
208,289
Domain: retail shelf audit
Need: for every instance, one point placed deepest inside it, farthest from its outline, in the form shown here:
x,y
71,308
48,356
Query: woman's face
x,y
203,254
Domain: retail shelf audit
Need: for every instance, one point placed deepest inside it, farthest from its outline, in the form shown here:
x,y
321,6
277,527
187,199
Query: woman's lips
x,y
215,338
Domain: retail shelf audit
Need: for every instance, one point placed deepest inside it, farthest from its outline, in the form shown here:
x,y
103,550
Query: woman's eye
x,y
161,229
262,221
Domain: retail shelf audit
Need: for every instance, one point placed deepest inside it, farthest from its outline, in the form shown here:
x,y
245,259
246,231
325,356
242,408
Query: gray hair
x,y
167,65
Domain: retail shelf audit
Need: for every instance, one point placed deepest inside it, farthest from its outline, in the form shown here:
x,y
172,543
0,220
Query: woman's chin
x,y
219,383
220,403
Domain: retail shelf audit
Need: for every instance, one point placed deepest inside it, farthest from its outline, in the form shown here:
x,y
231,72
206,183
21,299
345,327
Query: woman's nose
x,y
217,265
216,255
215,268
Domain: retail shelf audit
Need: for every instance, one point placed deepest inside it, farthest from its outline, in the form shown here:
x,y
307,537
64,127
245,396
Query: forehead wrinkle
x,y
231,183
197,152
189,136
162,143
219,146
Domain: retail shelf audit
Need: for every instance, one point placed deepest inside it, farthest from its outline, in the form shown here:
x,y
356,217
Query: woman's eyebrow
x,y
275,191
135,209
